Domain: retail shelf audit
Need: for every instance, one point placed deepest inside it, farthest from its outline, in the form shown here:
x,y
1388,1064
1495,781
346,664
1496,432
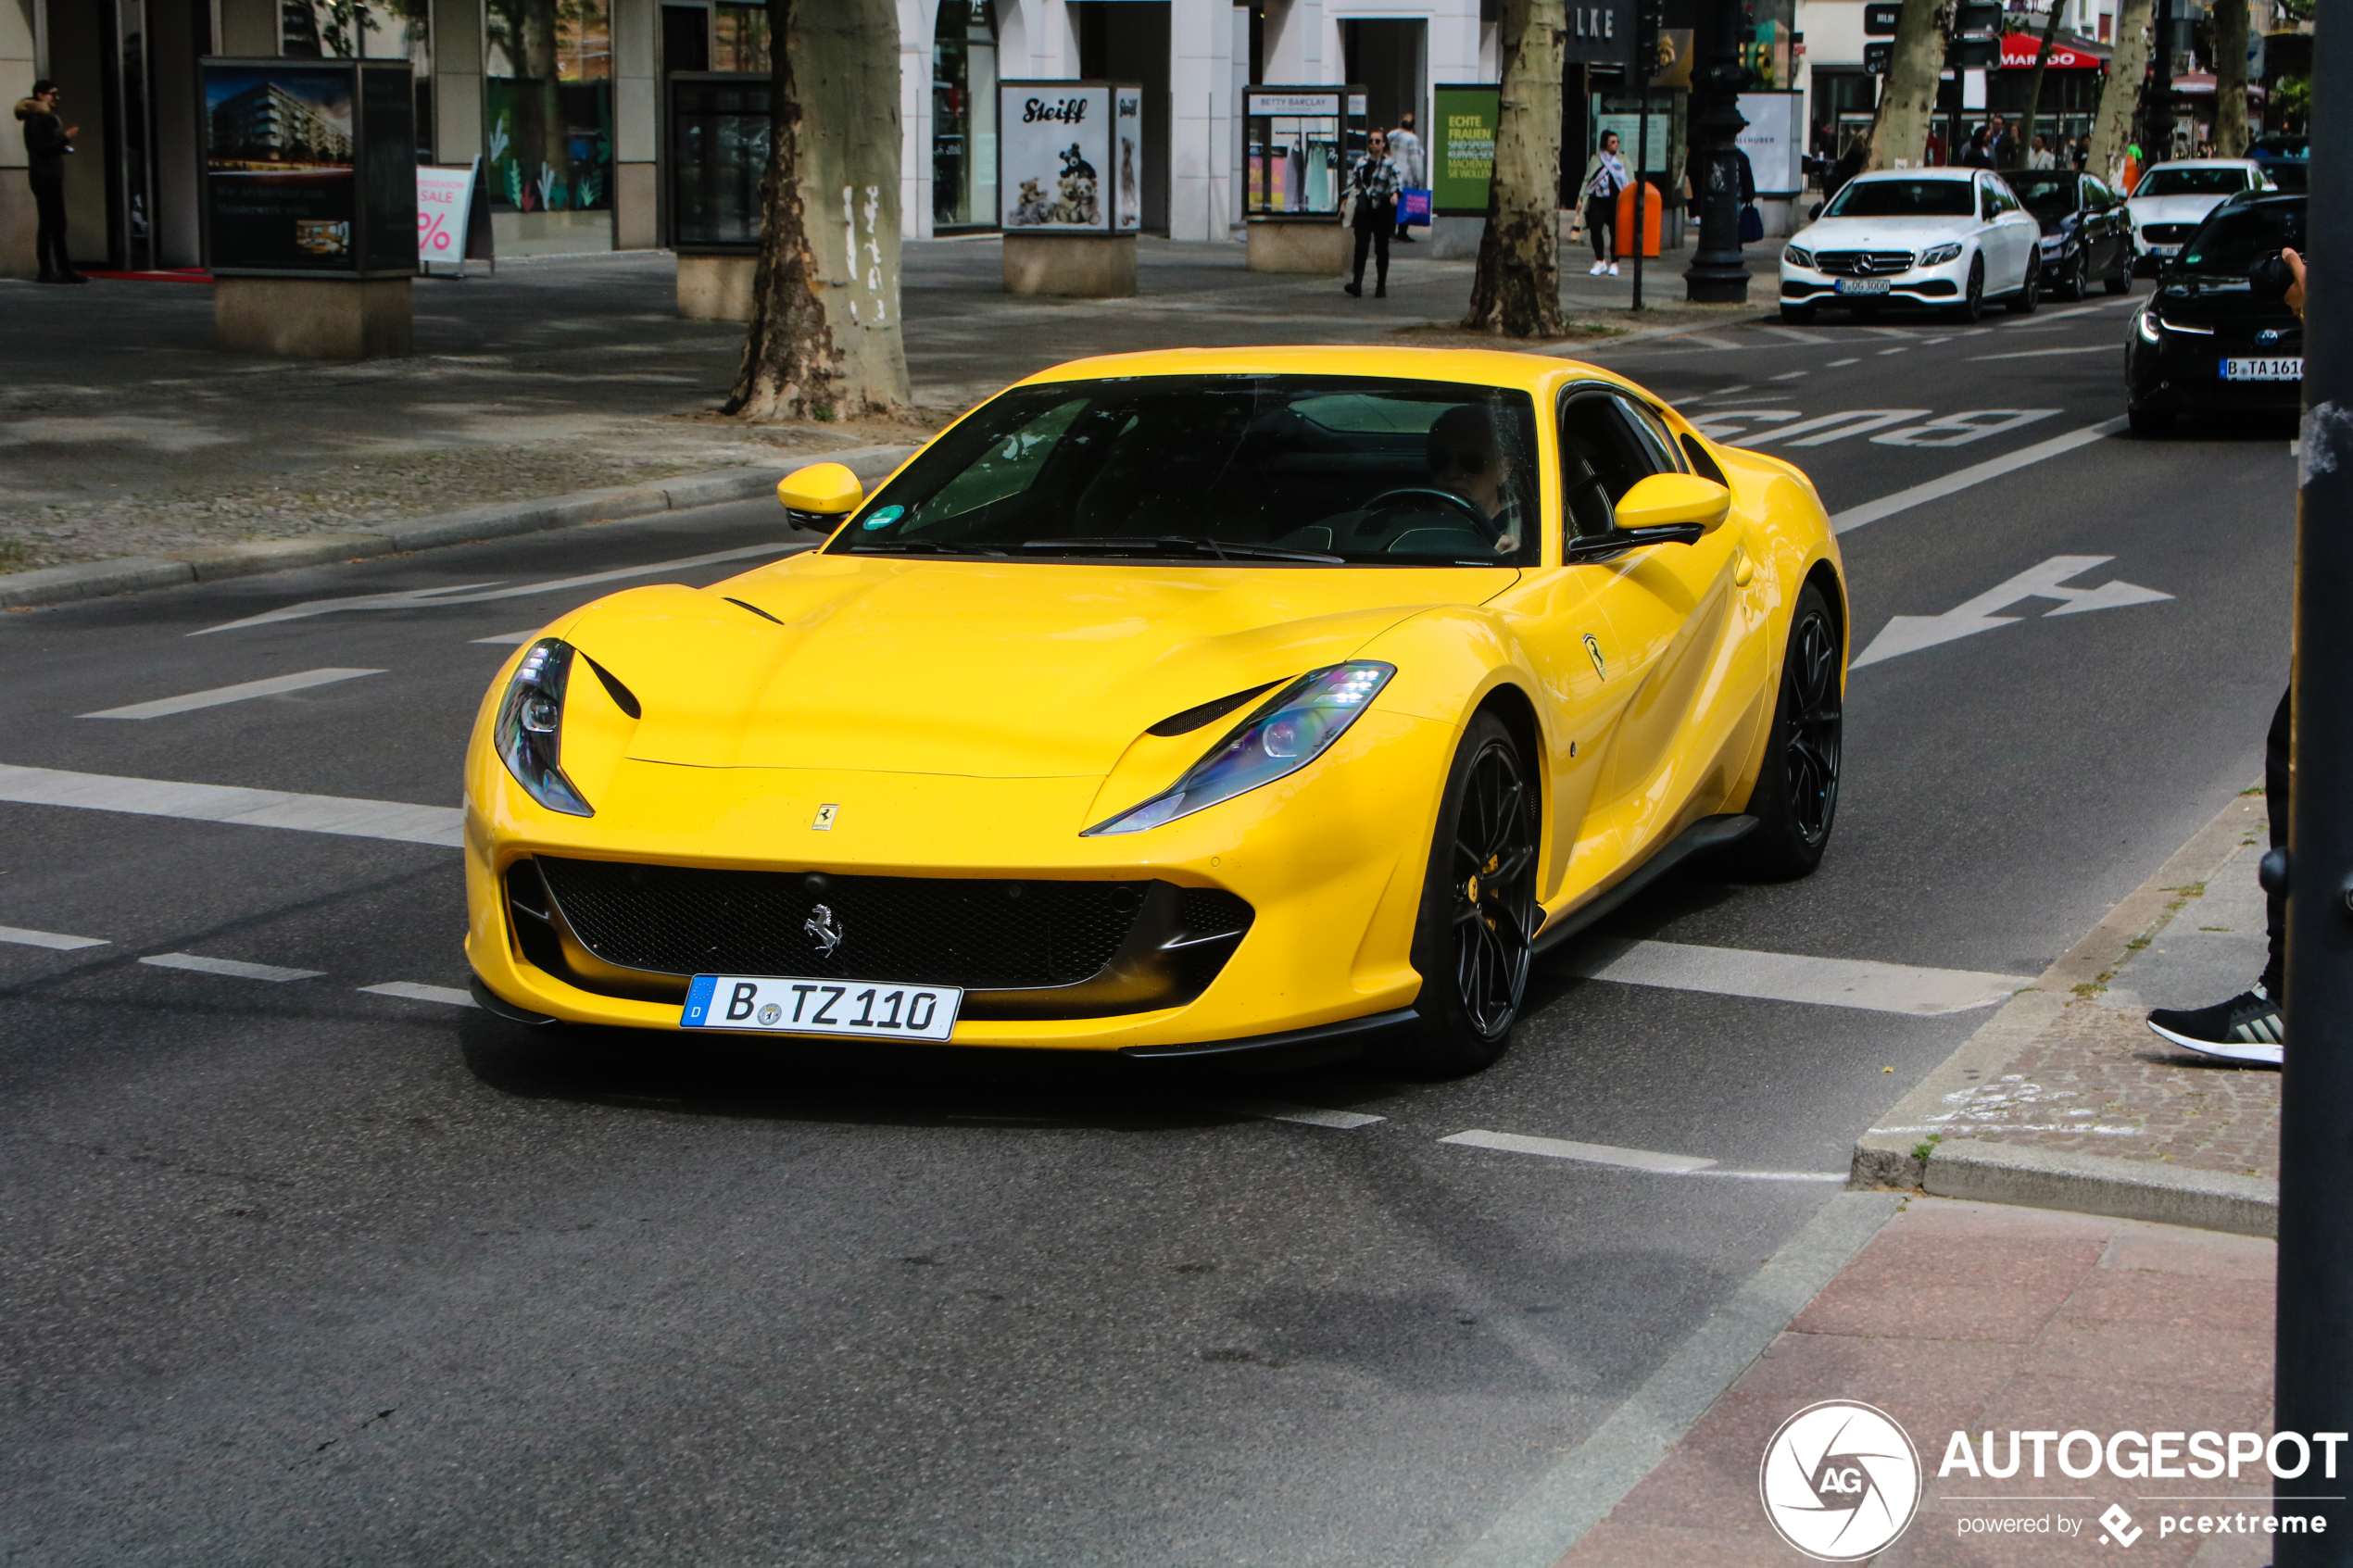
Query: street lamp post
x,y
2313,1372
1718,273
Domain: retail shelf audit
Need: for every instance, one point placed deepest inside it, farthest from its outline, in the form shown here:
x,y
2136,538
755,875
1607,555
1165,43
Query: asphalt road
x,y
298,1272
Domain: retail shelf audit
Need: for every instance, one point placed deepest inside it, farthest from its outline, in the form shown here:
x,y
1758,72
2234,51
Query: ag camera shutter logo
x,y
1840,1481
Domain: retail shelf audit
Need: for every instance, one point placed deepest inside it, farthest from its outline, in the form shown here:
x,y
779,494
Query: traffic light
x,y
1973,54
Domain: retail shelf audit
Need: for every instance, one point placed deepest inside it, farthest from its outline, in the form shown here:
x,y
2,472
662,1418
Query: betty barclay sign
x,y
1070,157
1841,1481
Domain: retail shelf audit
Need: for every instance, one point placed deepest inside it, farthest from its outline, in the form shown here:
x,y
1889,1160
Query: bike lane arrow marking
x,y
1909,633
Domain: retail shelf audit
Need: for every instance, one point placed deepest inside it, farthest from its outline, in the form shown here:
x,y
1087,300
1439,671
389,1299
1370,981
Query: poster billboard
x,y
1070,157
308,167
1461,146
1774,140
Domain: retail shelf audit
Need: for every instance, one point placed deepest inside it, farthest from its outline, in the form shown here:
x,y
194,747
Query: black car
x,y
2086,232
2207,342
2286,159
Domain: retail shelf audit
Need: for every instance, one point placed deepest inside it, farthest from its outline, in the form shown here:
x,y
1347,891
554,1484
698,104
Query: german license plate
x,y
1861,285
2263,370
791,1005
2165,250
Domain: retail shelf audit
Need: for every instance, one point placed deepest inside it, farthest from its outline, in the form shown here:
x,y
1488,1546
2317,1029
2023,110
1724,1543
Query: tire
x,y
2121,279
1971,309
1796,800
1475,938
2079,281
2030,293
1797,315
2150,424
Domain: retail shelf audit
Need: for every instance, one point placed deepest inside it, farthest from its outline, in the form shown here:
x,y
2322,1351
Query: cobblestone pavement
x,y
1965,1317
123,431
2098,1082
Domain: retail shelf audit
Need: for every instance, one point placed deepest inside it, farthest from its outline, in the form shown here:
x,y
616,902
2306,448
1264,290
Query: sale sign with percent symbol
x,y
445,204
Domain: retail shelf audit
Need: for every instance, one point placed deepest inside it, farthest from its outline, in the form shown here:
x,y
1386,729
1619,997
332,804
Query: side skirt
x,y
1709,832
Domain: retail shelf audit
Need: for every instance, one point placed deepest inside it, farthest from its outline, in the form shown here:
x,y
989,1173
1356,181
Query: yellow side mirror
x,y
820,496
1673,498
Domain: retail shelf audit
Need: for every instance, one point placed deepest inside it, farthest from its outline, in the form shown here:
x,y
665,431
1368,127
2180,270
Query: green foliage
x,y
2292,96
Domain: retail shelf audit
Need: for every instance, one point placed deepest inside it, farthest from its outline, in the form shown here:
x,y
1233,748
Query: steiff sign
x,y
1070,157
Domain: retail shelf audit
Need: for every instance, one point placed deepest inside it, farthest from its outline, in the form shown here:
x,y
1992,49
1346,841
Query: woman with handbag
x,y
1372,203
1604,177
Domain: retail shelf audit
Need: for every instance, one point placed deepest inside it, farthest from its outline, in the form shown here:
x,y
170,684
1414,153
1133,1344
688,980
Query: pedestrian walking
x,y
2251,1026
1604,177
2001,147
1976,155
1405,152
47,140
2042,157
1372,195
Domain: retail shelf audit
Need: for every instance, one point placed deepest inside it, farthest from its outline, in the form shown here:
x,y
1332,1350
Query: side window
x,y
1601,460
1652,432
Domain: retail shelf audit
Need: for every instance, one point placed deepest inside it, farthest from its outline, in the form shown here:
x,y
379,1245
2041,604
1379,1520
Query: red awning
x,y
2019,50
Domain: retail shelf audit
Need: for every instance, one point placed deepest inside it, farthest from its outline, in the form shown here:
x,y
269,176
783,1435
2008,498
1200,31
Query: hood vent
x,y
1208,713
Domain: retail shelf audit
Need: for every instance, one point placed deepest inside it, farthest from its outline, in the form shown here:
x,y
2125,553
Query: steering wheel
x,y
1479,520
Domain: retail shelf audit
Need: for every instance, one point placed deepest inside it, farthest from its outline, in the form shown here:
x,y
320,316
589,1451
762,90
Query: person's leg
x,y
1380,260
1363,242
49,238
2277,781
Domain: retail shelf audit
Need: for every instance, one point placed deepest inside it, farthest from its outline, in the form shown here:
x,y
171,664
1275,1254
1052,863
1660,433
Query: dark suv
x,y
2205,341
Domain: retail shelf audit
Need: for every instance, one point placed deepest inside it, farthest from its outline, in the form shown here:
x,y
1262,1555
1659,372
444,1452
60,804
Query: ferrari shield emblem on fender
x,y
1593,651
825,822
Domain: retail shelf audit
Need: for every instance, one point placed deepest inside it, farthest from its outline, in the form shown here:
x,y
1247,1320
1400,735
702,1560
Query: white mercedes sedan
x,y
2173,198
1952,238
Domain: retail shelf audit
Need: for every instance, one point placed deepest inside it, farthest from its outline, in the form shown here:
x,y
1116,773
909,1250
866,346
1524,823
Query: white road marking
x,y
1899,348
1590,1153
510,639
1789,375
1792,977
1719,423
1978,473
2047,352
411,991
1961,429
2049,315
1627,1159
273,686
221,803
483,592
1795,335
1933,342
1909,633
231,967
1823,429
1890,331
55,940
1840,364
1705,341
1308,1115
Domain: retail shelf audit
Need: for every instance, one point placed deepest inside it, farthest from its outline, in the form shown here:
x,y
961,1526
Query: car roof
x,y
2201,163
1938,171
1478,367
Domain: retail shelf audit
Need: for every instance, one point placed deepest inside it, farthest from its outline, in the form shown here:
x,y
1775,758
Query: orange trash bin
x,y
1650,220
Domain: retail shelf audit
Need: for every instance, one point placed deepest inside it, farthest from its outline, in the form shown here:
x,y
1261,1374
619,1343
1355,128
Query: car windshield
x,y
2048,197
2236,238
2191,183
1904,198
1319,470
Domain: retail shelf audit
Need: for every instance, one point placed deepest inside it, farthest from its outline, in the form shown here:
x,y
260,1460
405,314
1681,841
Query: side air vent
x,y
1208,713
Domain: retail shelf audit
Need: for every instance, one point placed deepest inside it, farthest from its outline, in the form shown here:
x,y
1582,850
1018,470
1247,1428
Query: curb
x,y
89,580
2088,1184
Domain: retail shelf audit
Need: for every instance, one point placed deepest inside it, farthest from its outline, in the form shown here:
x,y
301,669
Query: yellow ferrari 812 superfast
x,y
1182,704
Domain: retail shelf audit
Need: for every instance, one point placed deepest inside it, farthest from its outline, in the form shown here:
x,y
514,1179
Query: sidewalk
x,y
124,433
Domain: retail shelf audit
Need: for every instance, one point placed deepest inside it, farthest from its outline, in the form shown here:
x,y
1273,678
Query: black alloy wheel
x,y
1476,936
2030,293
2079,277
1971,309
1796,800
2121,278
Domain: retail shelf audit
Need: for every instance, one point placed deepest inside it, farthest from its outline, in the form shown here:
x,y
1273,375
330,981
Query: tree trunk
x,y
1907,106
2120,99
1517,289
2230,78
825,339
2023,142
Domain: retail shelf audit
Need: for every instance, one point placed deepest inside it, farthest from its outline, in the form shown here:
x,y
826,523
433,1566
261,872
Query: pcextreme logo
x,y
1840,1481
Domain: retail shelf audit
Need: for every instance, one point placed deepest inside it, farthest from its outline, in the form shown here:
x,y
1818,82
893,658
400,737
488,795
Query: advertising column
x,y
1462,163
1070,157
310,206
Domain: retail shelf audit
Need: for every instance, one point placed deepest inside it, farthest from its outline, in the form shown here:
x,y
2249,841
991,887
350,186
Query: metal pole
x,y
1719,272
1643,67
2313,1375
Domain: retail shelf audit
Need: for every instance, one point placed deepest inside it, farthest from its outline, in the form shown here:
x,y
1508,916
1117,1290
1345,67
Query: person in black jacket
x,y
47,140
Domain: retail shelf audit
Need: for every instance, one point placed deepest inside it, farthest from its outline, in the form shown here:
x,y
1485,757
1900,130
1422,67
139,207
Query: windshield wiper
x,y
1182,544
919,547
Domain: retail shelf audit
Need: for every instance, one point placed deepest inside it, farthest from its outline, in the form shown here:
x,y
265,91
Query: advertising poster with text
x,y
1054,148
278,167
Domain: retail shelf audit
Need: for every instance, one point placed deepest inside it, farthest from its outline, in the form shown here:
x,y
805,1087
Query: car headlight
x,y
1288,732
2148,326
1937,256
529,732
1798,256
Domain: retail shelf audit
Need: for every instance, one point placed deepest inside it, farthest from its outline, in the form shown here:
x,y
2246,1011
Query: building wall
x,y
19,66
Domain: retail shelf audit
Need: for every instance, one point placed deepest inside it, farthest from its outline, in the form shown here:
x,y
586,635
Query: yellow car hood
x,y
1028,671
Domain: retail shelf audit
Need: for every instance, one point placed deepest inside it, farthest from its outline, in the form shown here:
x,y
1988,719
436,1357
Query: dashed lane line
x,y
1840,364
410,990
1791,977
1626,1159
510,639
232,968
2047,352
1978,473
57,941
1306,1115
1794,335
275,685
249,808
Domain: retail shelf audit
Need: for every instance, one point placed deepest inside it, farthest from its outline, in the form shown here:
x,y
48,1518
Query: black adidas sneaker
x,y
2246,1028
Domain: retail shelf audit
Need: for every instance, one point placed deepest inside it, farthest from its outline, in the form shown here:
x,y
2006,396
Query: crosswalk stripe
x,y
1587,1153
1306,1115
276,685
56,940
1791,977
410,990
232,968
221,803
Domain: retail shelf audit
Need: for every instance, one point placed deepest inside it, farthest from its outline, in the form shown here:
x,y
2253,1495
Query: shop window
x,y
963,115
739,38
366,29
549,102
